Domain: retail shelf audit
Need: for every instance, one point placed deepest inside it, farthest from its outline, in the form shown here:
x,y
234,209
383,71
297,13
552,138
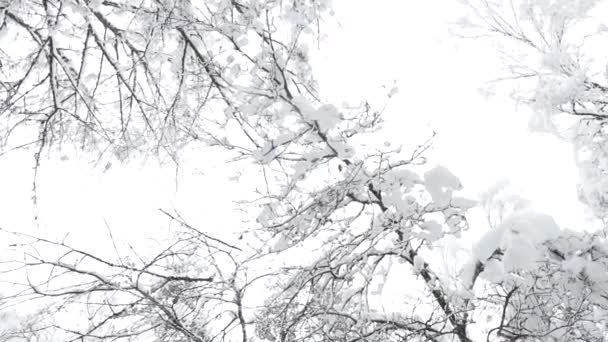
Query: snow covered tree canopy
x,y
346,237
124,76
559,68
555,62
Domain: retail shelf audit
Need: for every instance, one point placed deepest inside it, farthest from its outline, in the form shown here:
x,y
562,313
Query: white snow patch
x,y
440,183
520,254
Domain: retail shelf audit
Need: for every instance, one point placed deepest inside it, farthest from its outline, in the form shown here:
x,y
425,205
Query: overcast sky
x,y
442,82
482,140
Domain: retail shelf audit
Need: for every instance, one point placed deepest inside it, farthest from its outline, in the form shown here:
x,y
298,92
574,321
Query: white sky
x,y
481,140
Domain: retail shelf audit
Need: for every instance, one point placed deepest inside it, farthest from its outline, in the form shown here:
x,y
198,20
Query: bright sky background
x,y
441,80
481,140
